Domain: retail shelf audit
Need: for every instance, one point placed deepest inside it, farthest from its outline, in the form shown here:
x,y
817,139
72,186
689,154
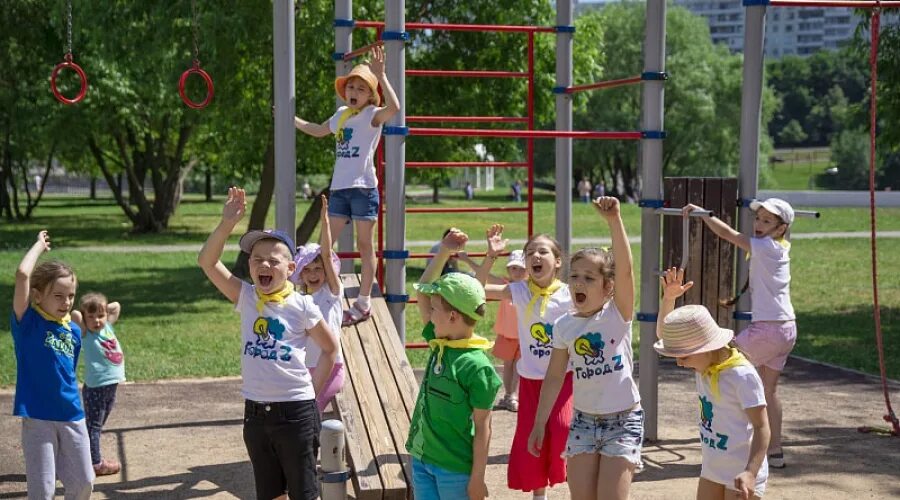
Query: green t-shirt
x,y
442,429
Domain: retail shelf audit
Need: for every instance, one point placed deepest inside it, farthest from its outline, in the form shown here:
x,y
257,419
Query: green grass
x,y
798,169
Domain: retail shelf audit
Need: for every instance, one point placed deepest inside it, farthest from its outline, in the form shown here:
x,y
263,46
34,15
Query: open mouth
x,y
264,281
580,298
536,268
353,101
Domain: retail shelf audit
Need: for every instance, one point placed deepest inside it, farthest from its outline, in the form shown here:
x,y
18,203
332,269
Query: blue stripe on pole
x,y
755,3
344,23
395,254
337,56
334,477
653,134
395,298
743,316
654,75
565,29
393,130
560,90
646,317
395,35
652,203
745,202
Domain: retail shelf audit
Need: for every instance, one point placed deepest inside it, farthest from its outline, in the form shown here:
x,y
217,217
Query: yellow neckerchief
x,y
713,371
278,297
785,244
542,293
64,321
346,115
473,342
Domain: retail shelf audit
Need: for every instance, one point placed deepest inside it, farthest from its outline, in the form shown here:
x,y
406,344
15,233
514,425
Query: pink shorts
x,y
768,343
333,385
506,348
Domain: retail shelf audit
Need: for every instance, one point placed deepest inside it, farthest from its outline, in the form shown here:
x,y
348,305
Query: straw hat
x,y
691,330
363,72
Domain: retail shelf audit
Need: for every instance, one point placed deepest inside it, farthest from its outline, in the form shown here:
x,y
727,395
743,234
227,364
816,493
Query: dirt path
x,y
181,440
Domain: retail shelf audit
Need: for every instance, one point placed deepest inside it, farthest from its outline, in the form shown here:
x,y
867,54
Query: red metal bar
x,y
489,28
416,345
467,119
380,254
458,164
522,134
464,209
465,73
362,50
604,85
530,142
832,3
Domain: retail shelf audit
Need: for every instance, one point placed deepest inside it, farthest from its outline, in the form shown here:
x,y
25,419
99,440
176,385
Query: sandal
x,y
353,316
107,467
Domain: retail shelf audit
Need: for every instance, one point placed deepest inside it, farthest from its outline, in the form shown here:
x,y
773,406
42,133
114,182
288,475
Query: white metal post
x,y
334,484
564,122
285,107
343,43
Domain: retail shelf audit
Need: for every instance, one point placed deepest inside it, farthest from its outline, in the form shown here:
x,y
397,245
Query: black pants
x,y
282,440
98,404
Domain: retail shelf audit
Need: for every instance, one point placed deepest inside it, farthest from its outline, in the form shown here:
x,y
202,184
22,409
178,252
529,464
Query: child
x,y
506,327
450,431
539,303
771,335
607,431
281,420
327,291
104,369
734,428
47,344
354,186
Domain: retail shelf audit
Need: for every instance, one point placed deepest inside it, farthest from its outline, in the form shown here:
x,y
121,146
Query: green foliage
x,y
850,155
792,134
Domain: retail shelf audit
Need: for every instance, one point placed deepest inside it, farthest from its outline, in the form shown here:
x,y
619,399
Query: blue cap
x,y
251,237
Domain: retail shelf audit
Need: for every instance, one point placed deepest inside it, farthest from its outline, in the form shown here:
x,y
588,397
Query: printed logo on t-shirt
x,y
343,148
63,344
110,348
590,347
268,332
716,441
542,334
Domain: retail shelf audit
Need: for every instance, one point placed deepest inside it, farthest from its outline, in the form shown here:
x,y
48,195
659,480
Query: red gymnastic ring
x,y
209,87
67,63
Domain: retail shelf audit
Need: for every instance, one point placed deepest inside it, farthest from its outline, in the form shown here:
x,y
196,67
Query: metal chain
x,y
69,27
196,30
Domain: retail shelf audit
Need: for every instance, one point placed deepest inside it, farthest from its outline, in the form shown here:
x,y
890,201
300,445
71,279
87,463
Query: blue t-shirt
x,y
46,357
104,362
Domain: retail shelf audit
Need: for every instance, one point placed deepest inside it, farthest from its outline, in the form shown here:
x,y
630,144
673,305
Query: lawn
x,y
797,169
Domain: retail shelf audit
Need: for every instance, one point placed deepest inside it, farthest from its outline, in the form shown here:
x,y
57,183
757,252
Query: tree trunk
x,y
40,192
208,184
93,187
260,207
5,168
435,191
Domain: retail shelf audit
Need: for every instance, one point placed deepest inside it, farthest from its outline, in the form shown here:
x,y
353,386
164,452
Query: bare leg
x,y
337,224
773,405
708,490
510,378
364,230
581,474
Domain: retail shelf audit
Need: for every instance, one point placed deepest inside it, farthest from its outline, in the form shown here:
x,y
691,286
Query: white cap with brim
x,y
516,259
775,206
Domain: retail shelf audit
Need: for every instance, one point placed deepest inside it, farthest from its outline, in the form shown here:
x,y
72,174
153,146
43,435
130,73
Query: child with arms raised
x,y
450,431
47,344
771,335
104,369
539,302
607,430
507,329
281,420
323,283
354,186
734,427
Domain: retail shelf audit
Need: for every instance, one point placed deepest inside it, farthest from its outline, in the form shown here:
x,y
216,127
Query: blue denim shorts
x,y
354,203
432,482
613,435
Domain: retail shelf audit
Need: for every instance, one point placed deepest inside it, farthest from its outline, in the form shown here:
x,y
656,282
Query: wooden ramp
x,y
377,402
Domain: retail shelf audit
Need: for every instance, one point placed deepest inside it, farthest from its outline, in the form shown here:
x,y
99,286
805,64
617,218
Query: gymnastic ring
x,y
209,87
68,63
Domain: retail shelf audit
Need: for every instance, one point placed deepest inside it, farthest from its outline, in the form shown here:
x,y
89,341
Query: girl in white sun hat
x,y
506,347
734,427
771,335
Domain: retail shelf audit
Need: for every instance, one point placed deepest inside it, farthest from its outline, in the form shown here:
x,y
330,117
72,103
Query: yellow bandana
x,y
785,244
278,297
734,359
64,321
346,115
542,293
473,342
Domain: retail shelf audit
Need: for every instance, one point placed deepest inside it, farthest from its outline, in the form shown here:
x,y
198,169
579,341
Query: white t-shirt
x,y
331,307
601,358
273,361
725,429
536,333
354,162
770,280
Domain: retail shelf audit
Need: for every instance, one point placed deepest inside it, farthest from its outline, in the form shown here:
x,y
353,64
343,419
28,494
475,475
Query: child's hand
x,y
323,214
235,205
672,283
477,489
455,240
745,484
377,62
608,206
43,239
536,440
495,242
690,207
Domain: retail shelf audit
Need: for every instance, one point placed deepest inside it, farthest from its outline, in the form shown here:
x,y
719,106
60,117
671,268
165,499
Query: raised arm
x,y
113,310
391,103
23,273
496,244
722,230
609,209
454,241
78,319
672,289
211,253
325,243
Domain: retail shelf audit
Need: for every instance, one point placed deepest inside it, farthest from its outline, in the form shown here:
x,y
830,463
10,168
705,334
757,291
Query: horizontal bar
x,y
461,164
807,213
522,134
463,27
604,85
416,345
464,209
467,119
678,211
470,254
832,3
466,73
362,50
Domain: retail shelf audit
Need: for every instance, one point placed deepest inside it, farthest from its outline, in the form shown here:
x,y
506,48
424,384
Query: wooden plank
x,y
727,253
712,196
694,271
675,189
396,353
366,481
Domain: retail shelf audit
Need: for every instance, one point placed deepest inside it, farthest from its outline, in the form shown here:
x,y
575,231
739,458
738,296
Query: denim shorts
x,y
354,203
613,435
433,482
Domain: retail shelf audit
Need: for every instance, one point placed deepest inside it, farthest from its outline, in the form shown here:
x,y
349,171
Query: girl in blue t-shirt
x,y
47,344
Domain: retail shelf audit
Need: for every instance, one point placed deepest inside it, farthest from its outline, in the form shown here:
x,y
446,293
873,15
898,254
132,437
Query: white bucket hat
x,y
775,206
516,259
691,330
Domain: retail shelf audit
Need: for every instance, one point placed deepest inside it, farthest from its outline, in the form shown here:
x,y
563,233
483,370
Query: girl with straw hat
x,y
354,186
734,426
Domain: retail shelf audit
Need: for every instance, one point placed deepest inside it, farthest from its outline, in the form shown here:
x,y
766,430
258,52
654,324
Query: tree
x,y
792,134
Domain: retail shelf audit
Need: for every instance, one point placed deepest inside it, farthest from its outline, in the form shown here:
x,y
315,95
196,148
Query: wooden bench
x,y
377,402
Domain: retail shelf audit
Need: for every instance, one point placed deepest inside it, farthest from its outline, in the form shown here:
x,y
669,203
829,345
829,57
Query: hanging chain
x,y
69,27
195,25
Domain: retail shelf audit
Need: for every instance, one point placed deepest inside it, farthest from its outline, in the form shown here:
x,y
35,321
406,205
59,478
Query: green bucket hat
x,y
460,290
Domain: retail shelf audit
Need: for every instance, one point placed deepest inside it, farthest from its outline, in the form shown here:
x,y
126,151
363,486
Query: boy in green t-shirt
x,y
450,432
